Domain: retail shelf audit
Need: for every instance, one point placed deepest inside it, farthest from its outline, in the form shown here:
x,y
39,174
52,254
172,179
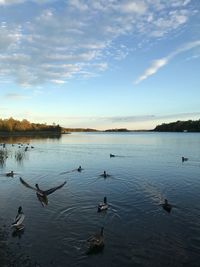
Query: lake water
x,y
138,232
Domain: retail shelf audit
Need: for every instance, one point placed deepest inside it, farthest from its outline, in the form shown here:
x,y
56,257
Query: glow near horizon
x,y
100,64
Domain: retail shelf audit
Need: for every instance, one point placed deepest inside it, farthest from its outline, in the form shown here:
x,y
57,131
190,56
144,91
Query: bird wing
x,y
50,191
26,184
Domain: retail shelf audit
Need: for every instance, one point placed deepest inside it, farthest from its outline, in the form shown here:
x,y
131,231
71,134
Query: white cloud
x,y
15,2
58,81
80,38
79,5
9,37
159,63
155,66
10,2
134,7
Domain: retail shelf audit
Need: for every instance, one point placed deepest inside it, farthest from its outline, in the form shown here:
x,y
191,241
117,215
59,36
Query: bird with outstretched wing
x,y
42,194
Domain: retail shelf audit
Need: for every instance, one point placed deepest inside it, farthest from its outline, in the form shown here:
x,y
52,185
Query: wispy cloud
x,y
15,2
159,63
14,96
58,81
10,2
155,66
53,45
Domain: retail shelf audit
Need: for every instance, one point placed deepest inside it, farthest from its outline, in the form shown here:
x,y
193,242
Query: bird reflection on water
x,y
17,233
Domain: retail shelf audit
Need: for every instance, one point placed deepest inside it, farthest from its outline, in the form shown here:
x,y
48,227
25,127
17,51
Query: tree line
x,y
12,125
179,126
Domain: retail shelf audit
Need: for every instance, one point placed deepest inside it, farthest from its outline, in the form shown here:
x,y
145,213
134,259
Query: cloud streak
x,y
159,63
14,96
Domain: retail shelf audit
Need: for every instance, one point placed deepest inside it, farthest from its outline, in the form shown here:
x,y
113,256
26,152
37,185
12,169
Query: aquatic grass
x,y
3,156
19,156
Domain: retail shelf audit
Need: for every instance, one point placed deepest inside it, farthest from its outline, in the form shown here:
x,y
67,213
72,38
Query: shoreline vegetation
x,y
179,126
12,127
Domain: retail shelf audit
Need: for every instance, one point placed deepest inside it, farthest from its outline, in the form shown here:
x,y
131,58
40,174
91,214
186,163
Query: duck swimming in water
x,y
103,206
79,169
112,155
105,175
184,159
10,174
96,242
42,194
166,206
17,224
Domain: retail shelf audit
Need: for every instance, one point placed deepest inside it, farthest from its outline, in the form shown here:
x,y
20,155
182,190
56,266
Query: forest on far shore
x,y
12,125
179,126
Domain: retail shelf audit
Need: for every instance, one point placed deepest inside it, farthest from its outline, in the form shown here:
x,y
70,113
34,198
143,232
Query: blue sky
x,y
100,64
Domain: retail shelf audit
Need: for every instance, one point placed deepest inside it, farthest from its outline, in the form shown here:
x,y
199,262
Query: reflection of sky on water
x,y
137,230
15,147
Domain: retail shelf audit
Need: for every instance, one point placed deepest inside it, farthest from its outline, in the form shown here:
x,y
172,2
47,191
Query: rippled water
x,y
138,232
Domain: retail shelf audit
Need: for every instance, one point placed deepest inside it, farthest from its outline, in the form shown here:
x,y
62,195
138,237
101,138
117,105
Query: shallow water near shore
x,y
138,232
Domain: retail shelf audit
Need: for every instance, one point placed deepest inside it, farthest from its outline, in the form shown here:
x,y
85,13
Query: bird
x,y
112,156
96,242
184,159
105,175
42,194
10,174
103,206
166,206
17,224
79,169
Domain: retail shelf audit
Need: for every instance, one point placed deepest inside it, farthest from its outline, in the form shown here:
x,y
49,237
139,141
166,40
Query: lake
x,y
138,232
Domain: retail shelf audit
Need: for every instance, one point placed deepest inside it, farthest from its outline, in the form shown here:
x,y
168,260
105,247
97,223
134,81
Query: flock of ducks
x,y
95,242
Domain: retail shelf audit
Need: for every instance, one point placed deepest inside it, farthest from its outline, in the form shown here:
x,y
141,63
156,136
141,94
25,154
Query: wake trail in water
x,y
74,170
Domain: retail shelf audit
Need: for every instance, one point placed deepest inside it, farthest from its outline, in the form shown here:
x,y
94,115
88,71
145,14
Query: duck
x,y
79,169
42,194
105,175
184,159
10,174
112,155
17,224
166,206
96,242
103,206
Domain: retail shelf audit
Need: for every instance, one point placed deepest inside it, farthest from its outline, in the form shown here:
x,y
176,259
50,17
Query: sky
x,y
100,64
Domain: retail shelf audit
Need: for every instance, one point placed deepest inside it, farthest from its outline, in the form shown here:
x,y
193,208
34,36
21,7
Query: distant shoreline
x,y
30,133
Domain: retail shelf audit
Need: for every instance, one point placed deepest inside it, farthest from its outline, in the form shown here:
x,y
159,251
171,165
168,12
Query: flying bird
x,y
42,194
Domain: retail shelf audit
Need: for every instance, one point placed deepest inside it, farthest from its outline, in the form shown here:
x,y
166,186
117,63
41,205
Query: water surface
x,y
138,232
